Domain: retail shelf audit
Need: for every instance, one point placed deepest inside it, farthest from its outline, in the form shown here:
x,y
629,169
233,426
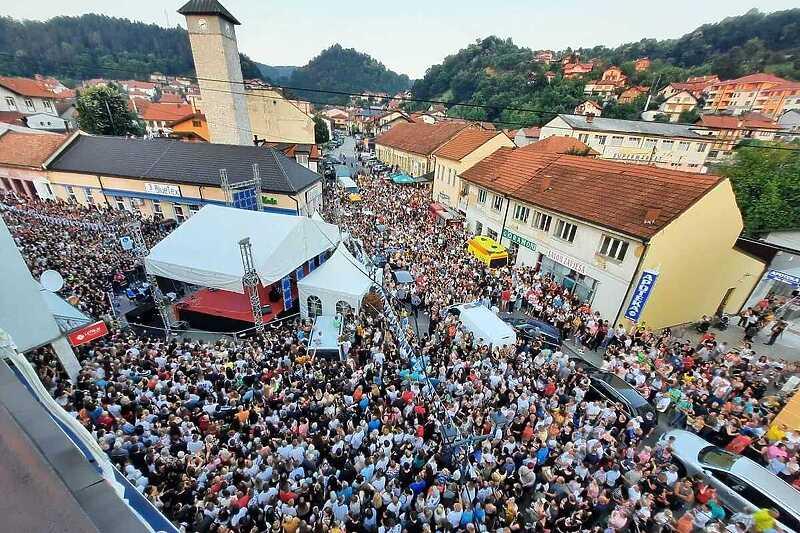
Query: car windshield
x,y
622,388
717,457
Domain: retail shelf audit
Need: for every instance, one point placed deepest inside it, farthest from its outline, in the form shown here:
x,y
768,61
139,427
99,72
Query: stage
x,y
218,310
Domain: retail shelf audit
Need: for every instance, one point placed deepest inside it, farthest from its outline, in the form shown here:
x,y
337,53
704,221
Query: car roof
x,y
687,443
622,387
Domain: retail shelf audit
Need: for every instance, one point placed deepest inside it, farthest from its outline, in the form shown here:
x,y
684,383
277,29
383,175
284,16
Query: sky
x,y
411,35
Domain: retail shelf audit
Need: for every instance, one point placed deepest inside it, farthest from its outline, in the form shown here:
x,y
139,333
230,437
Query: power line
x,y
715,141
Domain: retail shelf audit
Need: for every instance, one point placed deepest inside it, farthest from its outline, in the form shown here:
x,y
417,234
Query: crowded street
x,y
261,435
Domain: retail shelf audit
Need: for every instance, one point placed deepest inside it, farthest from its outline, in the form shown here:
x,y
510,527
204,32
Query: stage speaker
x,y
265,309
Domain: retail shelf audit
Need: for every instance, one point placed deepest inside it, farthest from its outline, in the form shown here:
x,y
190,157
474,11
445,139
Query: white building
x,y
26,96
44,121
673,146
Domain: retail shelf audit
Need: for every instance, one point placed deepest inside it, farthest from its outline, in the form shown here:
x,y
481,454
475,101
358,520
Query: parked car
x,y
609,386
742,484
531,329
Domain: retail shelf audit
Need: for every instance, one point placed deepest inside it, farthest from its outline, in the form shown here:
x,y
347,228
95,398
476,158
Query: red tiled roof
x,y
26,87
12,117
560,144
158,111
465,142
28,149
418,137
754,78
169,98
746,121
608,193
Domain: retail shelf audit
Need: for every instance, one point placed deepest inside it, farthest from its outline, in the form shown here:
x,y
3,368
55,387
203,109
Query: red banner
x,y
88,333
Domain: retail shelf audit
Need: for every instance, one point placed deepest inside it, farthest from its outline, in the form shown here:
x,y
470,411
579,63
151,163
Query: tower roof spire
x,y
207,7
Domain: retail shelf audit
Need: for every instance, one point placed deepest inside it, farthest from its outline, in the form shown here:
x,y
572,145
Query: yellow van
x,y
489,252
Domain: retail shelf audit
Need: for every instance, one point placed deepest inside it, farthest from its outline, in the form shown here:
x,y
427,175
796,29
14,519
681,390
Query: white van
x,y
486,326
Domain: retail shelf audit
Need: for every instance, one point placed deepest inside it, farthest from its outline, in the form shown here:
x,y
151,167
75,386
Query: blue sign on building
x,y
641,293
783,277
312,264
286,286
299,273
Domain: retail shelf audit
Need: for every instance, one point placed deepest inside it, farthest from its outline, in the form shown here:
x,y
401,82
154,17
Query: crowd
x,y
92,262
263,436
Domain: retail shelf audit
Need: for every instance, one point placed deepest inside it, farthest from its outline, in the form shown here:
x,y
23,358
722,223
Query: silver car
x,y
742,484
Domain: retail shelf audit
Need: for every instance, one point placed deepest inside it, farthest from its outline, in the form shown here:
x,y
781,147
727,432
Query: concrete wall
x,y
697,263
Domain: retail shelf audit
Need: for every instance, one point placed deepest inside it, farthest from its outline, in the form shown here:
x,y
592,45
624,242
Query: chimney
x,y
544,186
589,118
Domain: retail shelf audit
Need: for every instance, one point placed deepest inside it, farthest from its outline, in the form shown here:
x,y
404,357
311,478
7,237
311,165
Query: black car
x,y
605,385
531,329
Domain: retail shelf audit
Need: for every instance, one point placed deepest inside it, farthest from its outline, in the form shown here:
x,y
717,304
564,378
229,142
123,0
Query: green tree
x,y
689,116
104,111
321,134
766,180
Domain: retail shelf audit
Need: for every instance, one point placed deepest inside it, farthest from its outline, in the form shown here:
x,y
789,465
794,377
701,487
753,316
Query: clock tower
x,y
212,35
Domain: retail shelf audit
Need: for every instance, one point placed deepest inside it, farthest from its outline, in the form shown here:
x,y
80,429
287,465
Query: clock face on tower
x,y
202,24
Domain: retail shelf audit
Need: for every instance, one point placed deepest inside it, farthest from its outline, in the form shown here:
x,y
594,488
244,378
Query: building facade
x,y
173,179
676,104
740,95
672,146
410,147
468,147
26,96
597,227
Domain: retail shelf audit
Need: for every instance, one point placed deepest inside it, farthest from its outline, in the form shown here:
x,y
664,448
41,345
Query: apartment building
x,y
603,229
672,146
740,95
410,146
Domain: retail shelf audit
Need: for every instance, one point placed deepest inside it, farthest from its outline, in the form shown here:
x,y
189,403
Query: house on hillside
x,y
158,117
727,131
576,70
631,94
740,95
560,144
192,127
611,83
642,64
544,56
589,107
603,229
26,96
676,104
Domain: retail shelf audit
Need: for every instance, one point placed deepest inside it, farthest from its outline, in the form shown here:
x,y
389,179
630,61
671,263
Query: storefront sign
x,y
522,241
268,200
783,277
162,189
88,333
640,295
567,261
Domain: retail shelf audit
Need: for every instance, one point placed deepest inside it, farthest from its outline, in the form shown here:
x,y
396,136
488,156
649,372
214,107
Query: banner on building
x,y
88,333
286,286
641,293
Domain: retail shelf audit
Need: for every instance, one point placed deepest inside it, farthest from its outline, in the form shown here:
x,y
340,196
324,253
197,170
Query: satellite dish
x,y
51,281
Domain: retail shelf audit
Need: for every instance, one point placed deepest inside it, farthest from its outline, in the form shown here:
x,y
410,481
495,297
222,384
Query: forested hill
x,y
497,72
96,46
345,70
733,47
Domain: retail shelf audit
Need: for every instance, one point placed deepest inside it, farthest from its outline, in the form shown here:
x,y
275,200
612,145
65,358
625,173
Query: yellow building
x,y
466,148
637,243
410,146
193,127
173,179
278,119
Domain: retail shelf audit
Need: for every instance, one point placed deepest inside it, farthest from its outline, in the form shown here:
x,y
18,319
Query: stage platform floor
x,y
227,304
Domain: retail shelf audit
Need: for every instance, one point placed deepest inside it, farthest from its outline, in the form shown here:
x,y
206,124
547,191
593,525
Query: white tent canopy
x,y
204,250
339,279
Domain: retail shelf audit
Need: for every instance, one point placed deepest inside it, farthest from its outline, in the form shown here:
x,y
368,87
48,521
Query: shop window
x,y
521,213
314,306
497,202
566,231
119,202
71,192
542,221
180,216
193,209
482,194
492,234
613,248
89,196
157,208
